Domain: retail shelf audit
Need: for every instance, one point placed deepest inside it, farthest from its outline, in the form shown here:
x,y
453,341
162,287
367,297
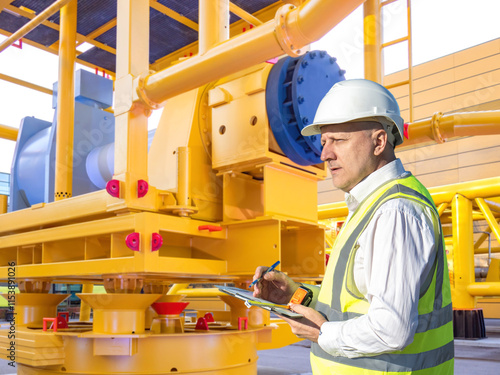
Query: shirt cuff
x,y
327,340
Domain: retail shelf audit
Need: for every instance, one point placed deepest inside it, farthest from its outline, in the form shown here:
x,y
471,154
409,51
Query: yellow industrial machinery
x,y
228,184
223,185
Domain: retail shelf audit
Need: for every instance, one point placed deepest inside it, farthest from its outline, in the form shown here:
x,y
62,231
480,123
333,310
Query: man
x,y
384,305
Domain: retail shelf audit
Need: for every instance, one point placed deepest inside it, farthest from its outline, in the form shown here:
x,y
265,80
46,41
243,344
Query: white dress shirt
x,y
394,257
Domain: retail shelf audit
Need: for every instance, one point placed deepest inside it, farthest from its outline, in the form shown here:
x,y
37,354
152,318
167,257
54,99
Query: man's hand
x,y
307,327
275,286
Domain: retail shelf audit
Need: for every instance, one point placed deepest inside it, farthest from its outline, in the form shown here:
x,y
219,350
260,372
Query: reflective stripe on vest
x,y
432,345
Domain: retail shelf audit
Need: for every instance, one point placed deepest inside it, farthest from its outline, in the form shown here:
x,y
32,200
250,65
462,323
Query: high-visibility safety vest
x,y
431,351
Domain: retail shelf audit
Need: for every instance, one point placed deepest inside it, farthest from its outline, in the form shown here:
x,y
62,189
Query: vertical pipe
x,y
65,103
84,306
463,252
131,121
373,40
3,204
183,177
213,24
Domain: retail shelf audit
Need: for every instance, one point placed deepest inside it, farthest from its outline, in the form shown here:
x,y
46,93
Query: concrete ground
x,y
471,356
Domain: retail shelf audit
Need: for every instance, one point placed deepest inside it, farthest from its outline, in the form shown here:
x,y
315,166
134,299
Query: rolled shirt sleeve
x,y
394,256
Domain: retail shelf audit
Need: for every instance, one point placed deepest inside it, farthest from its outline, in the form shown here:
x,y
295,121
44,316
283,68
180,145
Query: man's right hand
x,y
275,286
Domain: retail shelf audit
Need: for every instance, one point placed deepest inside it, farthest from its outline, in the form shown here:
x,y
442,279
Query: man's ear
x,y
379,141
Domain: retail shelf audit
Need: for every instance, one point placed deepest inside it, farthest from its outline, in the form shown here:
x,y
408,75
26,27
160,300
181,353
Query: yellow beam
x,y
3,204
372,40
84,306
488,216
483,289
7,132
486,188
66,103
26,84
463,252
80,38
131,121
244,15
4,4
102,29
213,24
441,208
55,52
46,13
172,14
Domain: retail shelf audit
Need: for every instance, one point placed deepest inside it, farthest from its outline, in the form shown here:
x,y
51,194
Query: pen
x,y
263,273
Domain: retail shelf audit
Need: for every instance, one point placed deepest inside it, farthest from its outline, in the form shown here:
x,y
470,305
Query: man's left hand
x,y
307,327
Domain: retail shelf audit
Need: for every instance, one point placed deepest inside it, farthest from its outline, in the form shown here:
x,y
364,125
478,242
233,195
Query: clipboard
x,y
250,300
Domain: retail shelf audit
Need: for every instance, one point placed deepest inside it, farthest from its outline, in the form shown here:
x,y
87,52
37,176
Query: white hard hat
x,y
359,100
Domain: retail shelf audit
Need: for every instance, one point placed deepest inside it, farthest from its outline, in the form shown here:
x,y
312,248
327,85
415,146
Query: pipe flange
x,y
281,31
141,91
436,133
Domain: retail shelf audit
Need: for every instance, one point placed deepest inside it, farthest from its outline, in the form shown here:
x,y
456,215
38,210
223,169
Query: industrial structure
x,y
224,184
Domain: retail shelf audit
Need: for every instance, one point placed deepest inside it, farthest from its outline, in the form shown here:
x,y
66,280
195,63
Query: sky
x,y
439,28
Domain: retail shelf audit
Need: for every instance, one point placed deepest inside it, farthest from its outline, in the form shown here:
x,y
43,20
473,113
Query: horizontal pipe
x,y
7,132
301,26
200,292
46,13
441,127
485,188
484,289
26,84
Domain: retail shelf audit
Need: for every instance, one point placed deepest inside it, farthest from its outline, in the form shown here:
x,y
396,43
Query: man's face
x,y
349,150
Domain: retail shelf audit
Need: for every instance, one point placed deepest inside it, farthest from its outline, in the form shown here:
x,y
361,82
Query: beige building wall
x,y
468,80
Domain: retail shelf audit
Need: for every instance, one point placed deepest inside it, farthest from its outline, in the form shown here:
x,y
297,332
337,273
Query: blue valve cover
x,y
295,87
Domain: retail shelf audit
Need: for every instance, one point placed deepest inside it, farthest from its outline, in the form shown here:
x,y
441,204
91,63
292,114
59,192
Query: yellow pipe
x,y
49,11
441,127
483,289
485,188
463,252
372,40
183,177
213,24
484,250
84,306
3,204
200,292
7,132
441,208
174,289
65,103
29,85
295,29
488,216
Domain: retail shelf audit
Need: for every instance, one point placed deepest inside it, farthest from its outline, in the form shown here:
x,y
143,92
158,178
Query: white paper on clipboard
x,y
250,300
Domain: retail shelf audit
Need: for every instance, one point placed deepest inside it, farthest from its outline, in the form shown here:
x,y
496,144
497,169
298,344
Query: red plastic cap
x,y
132,241
405,132
156,241
113,188
209,317
201,325
142,188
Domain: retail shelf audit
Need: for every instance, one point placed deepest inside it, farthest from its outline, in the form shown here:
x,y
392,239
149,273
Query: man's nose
x,y
326,153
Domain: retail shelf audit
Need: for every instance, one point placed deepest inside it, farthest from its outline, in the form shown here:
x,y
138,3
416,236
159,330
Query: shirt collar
x,y
363,189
